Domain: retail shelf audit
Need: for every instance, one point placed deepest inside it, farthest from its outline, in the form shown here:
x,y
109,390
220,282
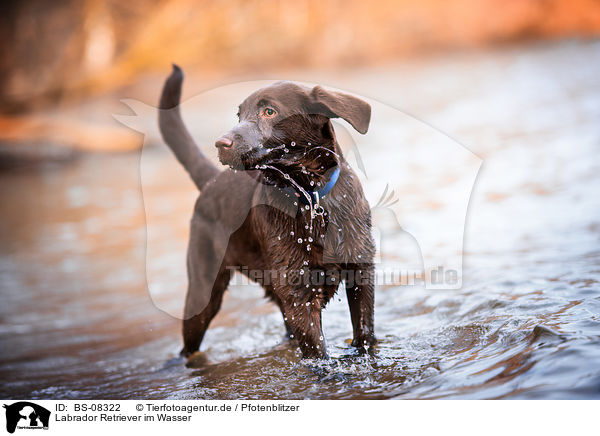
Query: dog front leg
x,y
360,290
304,322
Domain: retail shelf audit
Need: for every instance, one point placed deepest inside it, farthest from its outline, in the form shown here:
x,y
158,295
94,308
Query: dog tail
x,y
176,135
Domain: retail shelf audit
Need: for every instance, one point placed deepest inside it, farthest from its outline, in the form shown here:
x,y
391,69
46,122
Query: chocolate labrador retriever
x,y
289,213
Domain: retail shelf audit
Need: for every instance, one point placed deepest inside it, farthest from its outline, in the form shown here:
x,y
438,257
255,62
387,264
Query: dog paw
x,y
196,360
364,344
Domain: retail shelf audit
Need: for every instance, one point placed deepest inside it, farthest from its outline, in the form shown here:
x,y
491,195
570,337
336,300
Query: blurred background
x,y
516,82
66,52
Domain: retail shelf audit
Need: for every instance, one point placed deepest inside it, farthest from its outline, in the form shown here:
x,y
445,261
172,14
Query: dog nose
x,y
223,142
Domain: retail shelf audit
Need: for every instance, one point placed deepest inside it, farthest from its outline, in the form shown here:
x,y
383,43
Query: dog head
x,y
282,123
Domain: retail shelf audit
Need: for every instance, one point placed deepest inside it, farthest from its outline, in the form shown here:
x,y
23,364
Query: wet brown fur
x,y
241,220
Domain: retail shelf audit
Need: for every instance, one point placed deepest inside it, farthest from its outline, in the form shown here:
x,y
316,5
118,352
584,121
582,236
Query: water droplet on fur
x,y
292,233
293,144
299,240
310,239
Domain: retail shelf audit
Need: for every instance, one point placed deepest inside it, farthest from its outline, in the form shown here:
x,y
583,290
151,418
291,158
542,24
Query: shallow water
x,y
78,322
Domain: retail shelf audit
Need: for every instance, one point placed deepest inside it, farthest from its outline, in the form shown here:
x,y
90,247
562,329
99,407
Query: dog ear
x,y
336,104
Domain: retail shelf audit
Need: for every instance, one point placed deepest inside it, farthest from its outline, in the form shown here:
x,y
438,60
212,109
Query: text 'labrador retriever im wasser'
x,y
289,213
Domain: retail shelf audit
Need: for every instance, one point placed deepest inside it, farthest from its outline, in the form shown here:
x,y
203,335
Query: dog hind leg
x,y
195,327
208,279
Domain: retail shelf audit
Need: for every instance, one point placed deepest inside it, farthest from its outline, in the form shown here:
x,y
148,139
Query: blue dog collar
x,y
316,195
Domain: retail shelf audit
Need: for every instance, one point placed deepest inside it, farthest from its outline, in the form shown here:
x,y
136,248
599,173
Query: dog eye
x,y
269,112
